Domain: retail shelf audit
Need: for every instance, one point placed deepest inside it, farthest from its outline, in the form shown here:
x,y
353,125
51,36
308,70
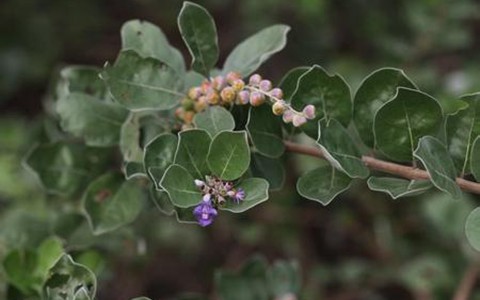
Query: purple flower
x,y
239,195
205,212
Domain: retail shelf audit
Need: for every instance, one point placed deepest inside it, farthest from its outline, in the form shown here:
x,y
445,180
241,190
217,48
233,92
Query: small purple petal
x,y
239,195
205,213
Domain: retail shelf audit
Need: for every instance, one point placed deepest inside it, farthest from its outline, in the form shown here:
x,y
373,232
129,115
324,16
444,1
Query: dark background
x,y
362,246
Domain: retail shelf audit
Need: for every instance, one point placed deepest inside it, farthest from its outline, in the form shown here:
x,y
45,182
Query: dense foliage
x,y
204,141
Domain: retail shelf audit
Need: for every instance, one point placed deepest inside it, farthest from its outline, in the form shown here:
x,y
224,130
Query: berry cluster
x,y
215,194
232,90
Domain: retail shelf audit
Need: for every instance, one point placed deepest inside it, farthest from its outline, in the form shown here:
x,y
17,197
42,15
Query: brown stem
x,y
465,287
385,166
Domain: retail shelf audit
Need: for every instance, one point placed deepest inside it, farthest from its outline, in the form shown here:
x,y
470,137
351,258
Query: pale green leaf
x,y
180,186
397,187
249,55
214,120
435,157
256,192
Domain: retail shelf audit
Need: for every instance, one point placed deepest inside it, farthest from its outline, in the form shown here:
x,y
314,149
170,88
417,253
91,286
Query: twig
x,y
468,282
385,166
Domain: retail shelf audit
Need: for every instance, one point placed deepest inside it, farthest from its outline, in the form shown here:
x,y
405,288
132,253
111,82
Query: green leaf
x,y
330,95
69,280
148,40
82,80
200,35
289,82
435,157
475,159
472,228
249,283
322,184
159,155
265,130
49,251
192,151
269,168
375,90
64,168
400,123
164,204
89,118
461,129
192,79
111,202
134,170
180,186
397,187
19,266
256,192
284,279
340,150
130,139
143,83
214,119
93,260
229,155
249,55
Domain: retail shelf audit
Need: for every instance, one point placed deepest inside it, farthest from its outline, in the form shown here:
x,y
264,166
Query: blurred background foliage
x,y
362,246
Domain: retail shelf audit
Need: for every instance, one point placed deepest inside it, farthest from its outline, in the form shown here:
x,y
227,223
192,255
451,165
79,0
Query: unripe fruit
x,y
287,116
187,103
277,93
238,85
256,99
255,79
228,94
265,85
298,120
279,107
243,97
309,112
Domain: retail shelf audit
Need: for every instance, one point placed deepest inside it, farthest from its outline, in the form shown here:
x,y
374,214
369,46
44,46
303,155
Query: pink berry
x,y
255,79
265,85
298,120
287,116
243,97
277,93
257,99
219,82
232,76
309,112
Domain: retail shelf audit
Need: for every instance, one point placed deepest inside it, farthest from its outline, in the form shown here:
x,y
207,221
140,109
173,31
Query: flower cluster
x,y
232,90
215,194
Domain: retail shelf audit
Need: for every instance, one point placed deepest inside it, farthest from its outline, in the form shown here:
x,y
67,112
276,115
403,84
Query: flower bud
x,y
228,94
219,83
277,93
207,198
279,107
243,97
238,85
309,112
187,103
265,85
199,183
201,104
232,76
188,117
221,201
213,97
255,79
287,116
257,99
206,86
298,120
194,93
180,112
